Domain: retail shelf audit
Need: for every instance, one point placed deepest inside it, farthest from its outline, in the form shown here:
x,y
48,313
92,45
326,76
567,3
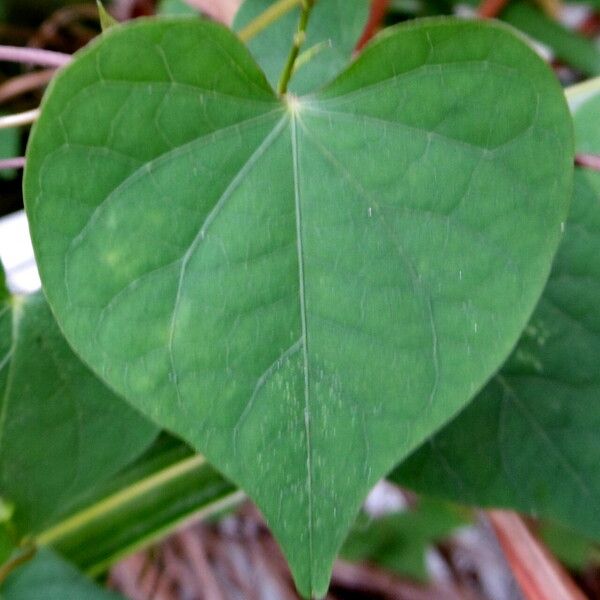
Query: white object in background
x,y
16,254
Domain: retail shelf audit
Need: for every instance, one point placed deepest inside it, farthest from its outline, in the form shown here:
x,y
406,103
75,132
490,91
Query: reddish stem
x,y
33,56
378,11
590,26
589,161
12,163
537,572
490,9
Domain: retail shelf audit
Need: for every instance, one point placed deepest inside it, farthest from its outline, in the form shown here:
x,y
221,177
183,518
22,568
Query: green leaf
x,y
530,440
303,289
7,543
333,32
569,46
9,148
4,293
49,577
60,426
587,130
399,542
574,550
173,8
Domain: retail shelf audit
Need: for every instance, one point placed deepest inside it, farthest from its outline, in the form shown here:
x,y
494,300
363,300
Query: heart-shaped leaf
x,y
537,422
332,34
62,431
304,289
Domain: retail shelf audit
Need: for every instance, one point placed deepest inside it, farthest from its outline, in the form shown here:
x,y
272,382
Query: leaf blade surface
x,y
236,252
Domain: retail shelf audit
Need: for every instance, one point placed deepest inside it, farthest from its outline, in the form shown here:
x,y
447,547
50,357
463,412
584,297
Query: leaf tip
x,y
106,19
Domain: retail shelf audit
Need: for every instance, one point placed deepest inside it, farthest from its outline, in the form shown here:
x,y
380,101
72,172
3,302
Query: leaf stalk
x,y
34,56
299,39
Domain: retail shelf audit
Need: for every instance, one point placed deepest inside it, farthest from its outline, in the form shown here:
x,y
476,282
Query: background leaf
x,y
223,225
48,577
569,46
9,148
529,440
4,293
55,412
333,32
399,542
573,549
176,8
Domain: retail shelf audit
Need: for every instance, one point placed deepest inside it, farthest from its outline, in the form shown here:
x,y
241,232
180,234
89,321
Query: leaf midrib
x,y
302,294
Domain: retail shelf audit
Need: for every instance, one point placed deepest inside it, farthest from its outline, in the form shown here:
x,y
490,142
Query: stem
x,y
266,18
589,161
490,9
24,118
537,572
22,84
118,499
307,6
34,56
12,163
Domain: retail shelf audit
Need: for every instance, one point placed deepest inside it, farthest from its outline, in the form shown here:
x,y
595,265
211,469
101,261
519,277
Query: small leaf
x,y
304,289
60,425
49,577
106,19
530,439
334,28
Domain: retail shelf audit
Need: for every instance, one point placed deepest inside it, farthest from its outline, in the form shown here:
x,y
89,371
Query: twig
x,y
371,580
20,119
589,161
12,163
538,573
22,84
33,56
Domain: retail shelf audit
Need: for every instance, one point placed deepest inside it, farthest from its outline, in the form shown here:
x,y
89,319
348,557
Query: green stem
x,y
266,18
299,38
122,497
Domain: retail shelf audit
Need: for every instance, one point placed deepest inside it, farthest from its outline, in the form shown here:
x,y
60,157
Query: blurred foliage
x,y
33,11
10,144
399,541
573,549
175,8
